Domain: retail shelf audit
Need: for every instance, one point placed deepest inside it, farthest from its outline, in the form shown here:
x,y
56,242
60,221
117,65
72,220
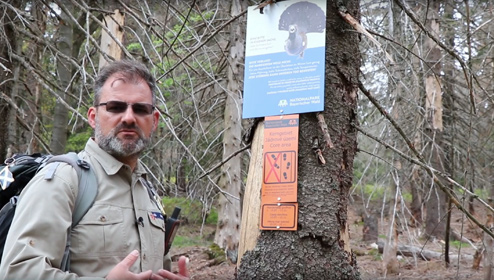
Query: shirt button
x,y
144,256
102,218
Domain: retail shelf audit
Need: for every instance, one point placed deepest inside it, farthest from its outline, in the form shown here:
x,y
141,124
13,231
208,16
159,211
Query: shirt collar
x,y
110,164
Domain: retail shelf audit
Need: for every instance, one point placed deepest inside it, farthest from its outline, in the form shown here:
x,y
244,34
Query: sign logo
x,y
283,103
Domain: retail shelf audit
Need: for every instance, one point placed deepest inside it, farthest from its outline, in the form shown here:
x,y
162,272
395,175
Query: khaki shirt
x,y
123,218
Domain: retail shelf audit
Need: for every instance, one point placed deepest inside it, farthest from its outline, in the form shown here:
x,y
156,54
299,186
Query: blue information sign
x,y
285,55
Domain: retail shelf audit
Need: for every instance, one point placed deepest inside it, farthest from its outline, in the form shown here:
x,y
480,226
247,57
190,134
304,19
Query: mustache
x,y
124,126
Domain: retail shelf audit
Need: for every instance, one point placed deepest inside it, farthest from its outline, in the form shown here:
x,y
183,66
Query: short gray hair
x,y
130,70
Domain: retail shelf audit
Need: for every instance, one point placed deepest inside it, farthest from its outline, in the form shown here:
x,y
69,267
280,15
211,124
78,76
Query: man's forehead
x,y
119,79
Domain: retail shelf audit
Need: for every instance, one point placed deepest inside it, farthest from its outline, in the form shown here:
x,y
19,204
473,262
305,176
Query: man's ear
x,y
91,116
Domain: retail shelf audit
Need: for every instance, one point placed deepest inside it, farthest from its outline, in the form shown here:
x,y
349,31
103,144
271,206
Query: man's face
x,y
121,130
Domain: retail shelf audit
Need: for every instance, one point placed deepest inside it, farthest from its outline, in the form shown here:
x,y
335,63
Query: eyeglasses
x,y
118,107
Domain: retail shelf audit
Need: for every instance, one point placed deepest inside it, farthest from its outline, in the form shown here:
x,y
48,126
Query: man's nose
x,y
129,115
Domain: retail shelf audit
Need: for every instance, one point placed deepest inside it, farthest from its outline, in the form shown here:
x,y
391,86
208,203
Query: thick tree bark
x,y
320,248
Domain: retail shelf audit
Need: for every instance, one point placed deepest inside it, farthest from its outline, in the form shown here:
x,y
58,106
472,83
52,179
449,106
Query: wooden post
x,y
108,45
251,212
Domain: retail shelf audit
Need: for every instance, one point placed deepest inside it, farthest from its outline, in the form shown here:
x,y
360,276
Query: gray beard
x,y
115,147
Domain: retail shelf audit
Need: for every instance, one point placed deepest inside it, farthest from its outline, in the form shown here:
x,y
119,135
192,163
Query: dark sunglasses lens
x,y
142,108
116,106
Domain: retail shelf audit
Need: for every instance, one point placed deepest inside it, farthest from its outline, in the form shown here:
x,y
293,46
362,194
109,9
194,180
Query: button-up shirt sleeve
x,y
37,237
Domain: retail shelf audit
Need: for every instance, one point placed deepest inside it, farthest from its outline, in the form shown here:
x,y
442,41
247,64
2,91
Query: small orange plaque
x,y
280,216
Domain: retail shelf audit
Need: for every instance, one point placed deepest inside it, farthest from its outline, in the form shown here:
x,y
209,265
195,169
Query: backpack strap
x,y
88,189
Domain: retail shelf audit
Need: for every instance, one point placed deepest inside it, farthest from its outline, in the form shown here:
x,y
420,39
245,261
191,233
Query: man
x,y
122,235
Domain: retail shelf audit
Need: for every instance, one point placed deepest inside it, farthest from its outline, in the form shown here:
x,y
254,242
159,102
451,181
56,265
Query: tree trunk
x,y
8,43
252,203
34,86
416,204
390,262
108,45
436,204
64,72
489,250
435,225
320,249
450,118
181,181
228,230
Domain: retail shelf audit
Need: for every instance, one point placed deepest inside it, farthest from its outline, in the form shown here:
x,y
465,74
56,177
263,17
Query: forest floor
x,y
369,260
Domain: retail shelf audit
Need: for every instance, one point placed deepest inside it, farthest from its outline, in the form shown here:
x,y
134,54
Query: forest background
x,y
424,106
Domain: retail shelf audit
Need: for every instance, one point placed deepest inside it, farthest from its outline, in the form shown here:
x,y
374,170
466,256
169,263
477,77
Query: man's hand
x,y
183,274
121,270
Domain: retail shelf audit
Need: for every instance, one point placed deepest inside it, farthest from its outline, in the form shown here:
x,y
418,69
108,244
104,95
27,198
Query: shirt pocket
x,y
101,231
157,233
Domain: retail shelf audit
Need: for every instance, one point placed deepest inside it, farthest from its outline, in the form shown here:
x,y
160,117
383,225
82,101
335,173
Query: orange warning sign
x,y
280,159
279,216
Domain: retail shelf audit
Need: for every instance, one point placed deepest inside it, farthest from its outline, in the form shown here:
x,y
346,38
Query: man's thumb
x,y
182,266
130,259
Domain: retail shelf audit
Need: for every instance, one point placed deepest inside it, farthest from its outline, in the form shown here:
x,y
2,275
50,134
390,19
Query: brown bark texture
x,y
319,249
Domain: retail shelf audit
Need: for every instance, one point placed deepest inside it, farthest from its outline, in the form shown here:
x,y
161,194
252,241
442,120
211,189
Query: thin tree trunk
x,y
489,250
416,204
449,116
181,174
436,205
34,85
8,43
64,72
390,261
228,230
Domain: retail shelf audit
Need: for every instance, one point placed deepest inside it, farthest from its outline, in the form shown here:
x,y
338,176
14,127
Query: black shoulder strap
x,y
88,189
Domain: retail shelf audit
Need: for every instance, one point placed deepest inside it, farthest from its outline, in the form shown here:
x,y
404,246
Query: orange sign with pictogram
x,y
280,159
281,167
279,184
